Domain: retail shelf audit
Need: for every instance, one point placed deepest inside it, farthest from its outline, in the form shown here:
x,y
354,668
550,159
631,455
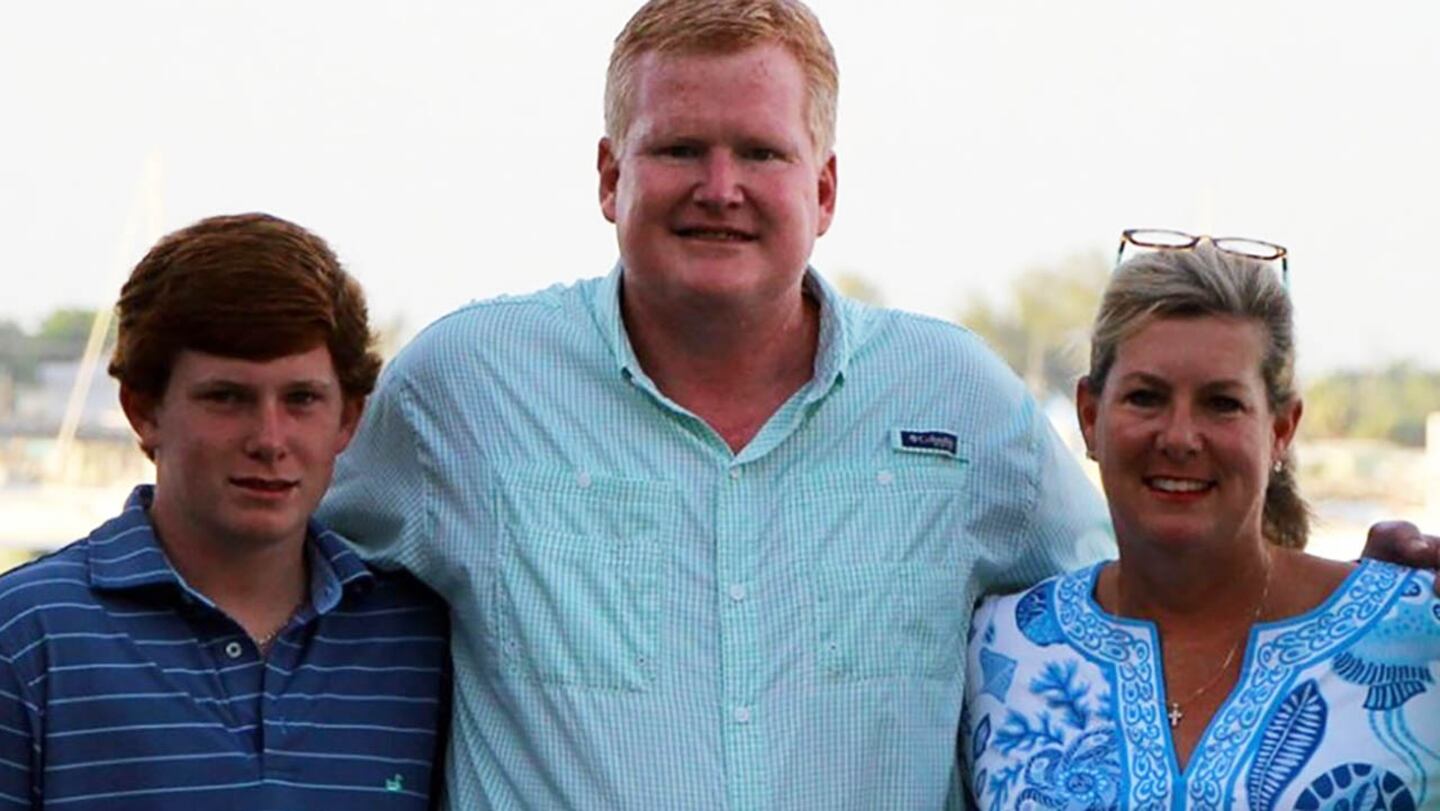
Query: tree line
x,y
1040,329
61,336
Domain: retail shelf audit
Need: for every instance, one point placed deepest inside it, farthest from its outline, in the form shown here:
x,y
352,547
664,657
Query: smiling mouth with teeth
x,y
1167,485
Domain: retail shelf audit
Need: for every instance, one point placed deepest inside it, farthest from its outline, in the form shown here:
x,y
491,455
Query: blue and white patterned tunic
x,y
1335,708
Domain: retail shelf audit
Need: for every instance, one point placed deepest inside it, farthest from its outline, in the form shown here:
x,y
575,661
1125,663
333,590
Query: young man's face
x,y
717,192
243,449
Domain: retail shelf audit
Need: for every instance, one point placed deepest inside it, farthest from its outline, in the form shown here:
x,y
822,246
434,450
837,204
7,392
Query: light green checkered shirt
x,y
644,619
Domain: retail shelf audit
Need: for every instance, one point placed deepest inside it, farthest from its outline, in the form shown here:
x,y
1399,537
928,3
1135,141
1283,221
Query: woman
x,y
1215,664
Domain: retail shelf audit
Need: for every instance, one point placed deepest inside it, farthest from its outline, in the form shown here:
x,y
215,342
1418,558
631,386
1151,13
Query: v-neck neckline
x,y
1135,656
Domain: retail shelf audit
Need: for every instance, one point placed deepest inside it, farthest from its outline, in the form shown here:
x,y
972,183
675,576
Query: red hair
x,y
246,286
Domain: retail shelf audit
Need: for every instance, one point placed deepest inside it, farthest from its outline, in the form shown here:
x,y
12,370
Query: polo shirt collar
x,y
124,554
832,355
334,568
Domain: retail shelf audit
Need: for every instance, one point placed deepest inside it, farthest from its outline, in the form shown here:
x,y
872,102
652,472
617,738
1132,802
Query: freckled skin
x,y
719,144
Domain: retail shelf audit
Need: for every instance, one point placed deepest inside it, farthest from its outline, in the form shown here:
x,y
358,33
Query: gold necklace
x,y
262,643
1175,711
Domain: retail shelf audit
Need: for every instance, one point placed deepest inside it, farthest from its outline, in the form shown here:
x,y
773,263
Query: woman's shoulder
x,y
1395,585
1029,617
1079,580
1414,608
1317,588
1306,582
1375,604
1421,579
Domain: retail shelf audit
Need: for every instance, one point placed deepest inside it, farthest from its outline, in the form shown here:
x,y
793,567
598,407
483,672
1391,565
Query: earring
x,y
1278,467
1090,454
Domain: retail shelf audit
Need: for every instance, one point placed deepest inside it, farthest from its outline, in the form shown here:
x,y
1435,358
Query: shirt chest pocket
x,y
887,572
581,569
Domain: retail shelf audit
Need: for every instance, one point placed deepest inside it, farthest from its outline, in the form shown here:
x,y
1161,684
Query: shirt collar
x,y
832,355
837,333
124,554
334,568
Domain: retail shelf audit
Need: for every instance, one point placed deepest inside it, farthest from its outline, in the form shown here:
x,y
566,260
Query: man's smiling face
x,y
717,192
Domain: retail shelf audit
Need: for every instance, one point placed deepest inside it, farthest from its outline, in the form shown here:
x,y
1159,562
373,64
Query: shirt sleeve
x,y
379,498
1069,524
17,740
1062,521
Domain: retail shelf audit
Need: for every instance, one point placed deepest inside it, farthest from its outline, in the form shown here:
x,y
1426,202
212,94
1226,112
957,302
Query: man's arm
x,y
1069,523
17,740
1055,520
1402,542
1031,511
379,496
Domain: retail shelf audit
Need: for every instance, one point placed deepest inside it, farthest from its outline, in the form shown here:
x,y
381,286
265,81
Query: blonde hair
x,y
1204,281
725,26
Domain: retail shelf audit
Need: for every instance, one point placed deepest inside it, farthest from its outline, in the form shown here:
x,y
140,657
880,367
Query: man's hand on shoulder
x,y
1402,542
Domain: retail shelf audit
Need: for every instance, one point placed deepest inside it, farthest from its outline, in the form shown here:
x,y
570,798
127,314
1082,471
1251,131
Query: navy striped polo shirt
x,y
122,688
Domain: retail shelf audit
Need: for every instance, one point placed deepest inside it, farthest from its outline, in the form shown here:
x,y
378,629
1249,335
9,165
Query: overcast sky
x,y
446,149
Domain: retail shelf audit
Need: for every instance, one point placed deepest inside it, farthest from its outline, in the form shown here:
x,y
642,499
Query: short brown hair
x,y
1199,282
249,286
725,26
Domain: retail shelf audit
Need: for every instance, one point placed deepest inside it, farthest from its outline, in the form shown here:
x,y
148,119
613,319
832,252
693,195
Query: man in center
x,y
711,532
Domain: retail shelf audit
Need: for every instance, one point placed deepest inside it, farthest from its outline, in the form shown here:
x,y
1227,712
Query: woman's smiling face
x,y
1184,433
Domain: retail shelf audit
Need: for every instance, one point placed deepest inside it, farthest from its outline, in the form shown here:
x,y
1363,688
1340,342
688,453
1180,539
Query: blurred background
x,y
989,156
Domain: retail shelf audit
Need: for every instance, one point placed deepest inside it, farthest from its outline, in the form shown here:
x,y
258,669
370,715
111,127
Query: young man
x,y
711,533
212,646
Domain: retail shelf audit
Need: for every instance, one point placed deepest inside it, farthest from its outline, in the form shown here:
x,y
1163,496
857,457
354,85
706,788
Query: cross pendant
x,y
1175,715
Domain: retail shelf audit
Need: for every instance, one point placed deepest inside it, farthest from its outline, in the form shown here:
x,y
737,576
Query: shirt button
x,y
583,479
885,478
233,650
735,474
737,592
742,715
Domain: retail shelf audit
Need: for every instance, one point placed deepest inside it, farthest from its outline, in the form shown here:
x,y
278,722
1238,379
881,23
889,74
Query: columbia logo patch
x,y
941,442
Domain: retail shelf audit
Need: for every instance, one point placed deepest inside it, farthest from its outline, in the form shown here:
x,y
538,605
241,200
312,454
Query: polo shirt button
x,y
233,650
742,715
583,479
737,592
734,474
885,478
